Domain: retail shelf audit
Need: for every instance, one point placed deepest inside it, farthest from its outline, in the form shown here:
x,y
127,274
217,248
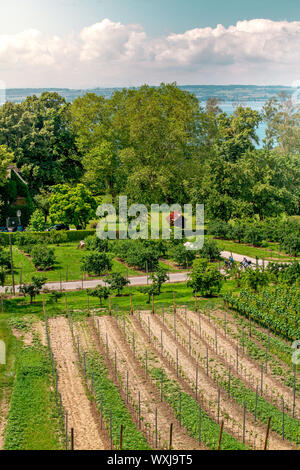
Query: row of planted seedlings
x,y
35,418
226,378
64,415
151,430
190,407
214,407
235,363
272,352
112,401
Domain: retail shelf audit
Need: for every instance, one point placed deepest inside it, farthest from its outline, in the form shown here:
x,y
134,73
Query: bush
x,y
37,222
43,258
182,256
117,282
96,263
141,256
210,250
205,279
291,243
219,229
93,243
253,235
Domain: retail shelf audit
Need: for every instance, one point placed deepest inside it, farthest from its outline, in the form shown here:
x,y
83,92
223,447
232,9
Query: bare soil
x,y
228,407
87,433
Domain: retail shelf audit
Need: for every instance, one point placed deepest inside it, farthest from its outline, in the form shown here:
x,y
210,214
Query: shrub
x,y
117,282
210,250
141,256
182,256
93,243
253,235
43,257
205,279
96,263
37,222
219,229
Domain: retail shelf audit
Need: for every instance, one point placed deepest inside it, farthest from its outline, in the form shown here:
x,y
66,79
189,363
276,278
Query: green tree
x,y
254,278
159,277
72,205
182,256
96,263
38,132
205,279
117,282
43,257
152,290
101,293
37,221
34,288
6,158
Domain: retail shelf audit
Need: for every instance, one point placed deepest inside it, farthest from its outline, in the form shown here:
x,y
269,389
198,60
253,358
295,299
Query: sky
x,y
106,43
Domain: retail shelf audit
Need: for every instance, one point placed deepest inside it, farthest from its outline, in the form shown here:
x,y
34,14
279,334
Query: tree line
x,y
156,145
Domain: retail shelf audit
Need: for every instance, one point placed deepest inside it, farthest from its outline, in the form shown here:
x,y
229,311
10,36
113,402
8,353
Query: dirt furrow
x,y
138,383
249,371
82,418
210,390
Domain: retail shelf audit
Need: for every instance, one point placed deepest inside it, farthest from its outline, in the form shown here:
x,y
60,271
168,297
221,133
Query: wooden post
x,y
72,439
88,306
153,311
110,305
171,436
121,436
196,306
220,436
174,302
110,430
66,306
131,306
156,430
12,264
267,434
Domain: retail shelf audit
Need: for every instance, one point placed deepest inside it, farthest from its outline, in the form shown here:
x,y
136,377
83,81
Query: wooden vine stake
x,y
131,305
72,438
171,436
153,311
220,436
121,436
174,302
109,305
267,434
196,304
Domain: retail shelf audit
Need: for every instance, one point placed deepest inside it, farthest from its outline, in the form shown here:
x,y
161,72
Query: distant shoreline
x,y
226,93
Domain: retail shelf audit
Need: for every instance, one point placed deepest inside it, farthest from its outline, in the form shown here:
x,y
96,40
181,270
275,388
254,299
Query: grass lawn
x,y
270,253
78,300
68,261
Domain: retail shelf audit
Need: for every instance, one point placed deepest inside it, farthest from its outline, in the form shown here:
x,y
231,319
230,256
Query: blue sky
x,y
87,43
156,16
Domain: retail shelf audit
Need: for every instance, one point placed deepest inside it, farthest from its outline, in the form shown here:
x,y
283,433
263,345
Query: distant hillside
x,y
228,93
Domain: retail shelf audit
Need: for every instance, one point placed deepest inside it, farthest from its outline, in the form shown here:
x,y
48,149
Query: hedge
x,y
72,236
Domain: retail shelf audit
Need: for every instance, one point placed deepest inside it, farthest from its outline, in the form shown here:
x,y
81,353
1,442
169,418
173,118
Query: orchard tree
x,y
117,282
96,262
205,279
159,277
101,293
72,205
34,288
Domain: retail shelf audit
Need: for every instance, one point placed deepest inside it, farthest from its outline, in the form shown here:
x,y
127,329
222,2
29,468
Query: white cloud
x,y
110,53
